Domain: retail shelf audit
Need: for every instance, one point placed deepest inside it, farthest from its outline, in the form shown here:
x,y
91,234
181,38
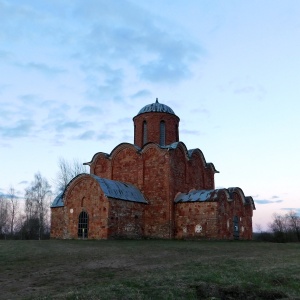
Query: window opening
x,y
144,132
236,230
162,136
83,225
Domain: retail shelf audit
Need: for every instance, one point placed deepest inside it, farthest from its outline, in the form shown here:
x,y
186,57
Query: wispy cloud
x,y
191,132
245,86
90,110
267,201
105,136
40,67
113,45
296,209
30,99
23,182
71,125
21,129
131,37
5,54
203,111
141,94
87,135
3,87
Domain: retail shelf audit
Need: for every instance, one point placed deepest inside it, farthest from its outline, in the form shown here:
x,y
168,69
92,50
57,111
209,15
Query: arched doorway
x,y
83,225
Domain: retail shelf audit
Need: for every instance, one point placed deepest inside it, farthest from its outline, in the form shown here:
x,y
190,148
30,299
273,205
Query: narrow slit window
x,y
162,136
144,132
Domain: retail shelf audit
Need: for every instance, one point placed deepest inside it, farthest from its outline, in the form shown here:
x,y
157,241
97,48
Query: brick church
x,y
154,188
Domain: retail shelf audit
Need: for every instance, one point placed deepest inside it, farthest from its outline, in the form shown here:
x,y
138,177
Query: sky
x,y
73,74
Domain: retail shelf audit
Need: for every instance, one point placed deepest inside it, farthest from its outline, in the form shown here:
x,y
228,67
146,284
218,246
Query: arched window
x,y
83,222
144,132
162,133
176,132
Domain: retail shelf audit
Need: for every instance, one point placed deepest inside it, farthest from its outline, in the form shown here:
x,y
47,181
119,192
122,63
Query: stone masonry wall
x,y
188,174
214,219
227,210
153,128
85,195
58,225
196,220
158,218
125,219
126,164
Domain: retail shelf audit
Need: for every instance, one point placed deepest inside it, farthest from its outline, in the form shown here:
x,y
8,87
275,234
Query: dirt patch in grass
x,y
213,291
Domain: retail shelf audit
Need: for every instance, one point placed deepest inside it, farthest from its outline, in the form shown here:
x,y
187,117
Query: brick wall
x,y
158,217
125,219
214,219
58,224
196,220
84,194
153,128
227,210
160,174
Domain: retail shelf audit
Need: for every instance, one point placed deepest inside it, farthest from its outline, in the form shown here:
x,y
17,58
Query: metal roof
x,y
58,201
120,190
111,189
197,196
156,107
212,195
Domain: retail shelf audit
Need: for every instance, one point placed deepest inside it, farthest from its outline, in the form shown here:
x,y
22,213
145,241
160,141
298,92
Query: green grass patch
x,y
148,269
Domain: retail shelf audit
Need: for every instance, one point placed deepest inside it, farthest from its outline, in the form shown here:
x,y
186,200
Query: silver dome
x,y
156,107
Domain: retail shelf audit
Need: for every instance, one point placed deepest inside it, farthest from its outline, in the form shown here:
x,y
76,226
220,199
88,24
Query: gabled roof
x,y
120,190
111,189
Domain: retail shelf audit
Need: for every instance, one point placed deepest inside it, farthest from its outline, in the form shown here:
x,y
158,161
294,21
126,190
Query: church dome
x,y
156,107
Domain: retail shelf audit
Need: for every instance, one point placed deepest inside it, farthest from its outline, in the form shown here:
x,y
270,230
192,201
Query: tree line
x,y
28,217
282,229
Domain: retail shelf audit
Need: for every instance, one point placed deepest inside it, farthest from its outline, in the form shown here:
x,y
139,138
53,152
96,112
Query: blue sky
x,y
74,73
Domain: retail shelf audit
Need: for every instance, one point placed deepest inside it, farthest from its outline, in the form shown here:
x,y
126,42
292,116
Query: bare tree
x,y
67,170
294,223
13,207
286,228
3,215
37,202
279,227
279,223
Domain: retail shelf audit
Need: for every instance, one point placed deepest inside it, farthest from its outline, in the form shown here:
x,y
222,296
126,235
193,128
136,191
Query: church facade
x,y
154,188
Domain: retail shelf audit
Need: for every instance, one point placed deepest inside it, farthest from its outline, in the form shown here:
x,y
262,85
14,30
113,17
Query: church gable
x,y
101,165
125,162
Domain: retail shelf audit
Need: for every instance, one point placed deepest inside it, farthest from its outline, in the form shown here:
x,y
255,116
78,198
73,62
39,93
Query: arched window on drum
x,y
162,133
144,132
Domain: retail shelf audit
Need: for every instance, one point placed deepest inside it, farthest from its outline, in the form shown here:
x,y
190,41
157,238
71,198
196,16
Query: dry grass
x,y
153,269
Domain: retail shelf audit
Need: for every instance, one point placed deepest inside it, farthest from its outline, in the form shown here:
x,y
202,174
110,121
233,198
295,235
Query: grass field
x,y
148,269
